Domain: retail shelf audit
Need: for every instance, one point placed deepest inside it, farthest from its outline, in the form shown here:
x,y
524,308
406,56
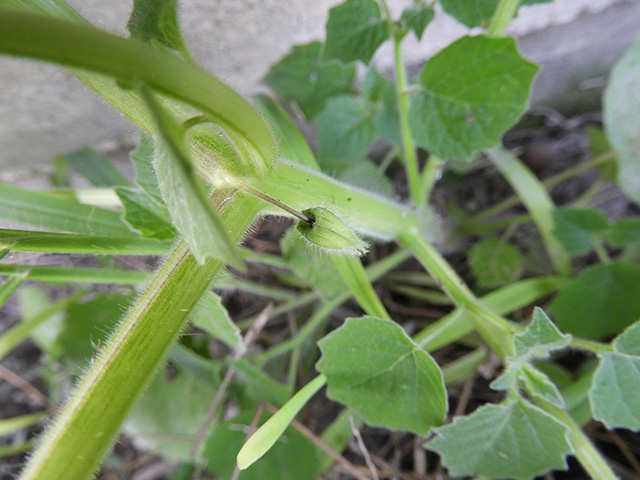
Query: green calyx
x,y
328,231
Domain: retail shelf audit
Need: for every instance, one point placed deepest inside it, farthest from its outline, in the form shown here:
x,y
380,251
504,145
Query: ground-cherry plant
x,y
220,395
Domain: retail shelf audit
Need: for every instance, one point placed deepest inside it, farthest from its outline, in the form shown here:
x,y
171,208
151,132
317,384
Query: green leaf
x,y
355,30
95,167
187,198
44,211
87,326
371,364
417,17
614,395
495,263
387,119
472,92
211,316
345,132
477,12
601,301
144,209
170,414
293,457
620,107
306,78
539,339
578,229
516,440
330,233
156,22
373,84
624,233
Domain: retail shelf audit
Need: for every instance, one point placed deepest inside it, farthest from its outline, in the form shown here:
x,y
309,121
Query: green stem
x,y
591,346
549,183
503,14
495,329
588,456
87,425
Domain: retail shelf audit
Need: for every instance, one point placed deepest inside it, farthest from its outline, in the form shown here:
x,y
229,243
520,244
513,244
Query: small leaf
x,y
417,17
516,440
472,92
355,30
621,103
156,22
293,457
578,229
614,395
539,339
602,300
330,232
345,132
211,316
539,385
306,78
624,233
371,364
495,263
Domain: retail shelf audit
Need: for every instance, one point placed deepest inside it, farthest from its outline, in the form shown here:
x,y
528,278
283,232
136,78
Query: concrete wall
x,y
44,111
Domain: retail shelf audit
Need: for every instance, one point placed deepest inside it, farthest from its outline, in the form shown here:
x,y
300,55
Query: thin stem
x,y
408,146
548,184
429,177
271,200
591,346
505,11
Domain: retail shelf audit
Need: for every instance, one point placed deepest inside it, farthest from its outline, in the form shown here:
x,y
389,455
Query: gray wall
x,y
44,111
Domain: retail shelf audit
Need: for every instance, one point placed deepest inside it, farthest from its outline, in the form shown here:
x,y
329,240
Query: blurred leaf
x,y
156,22
95,167
310,267
539,385
514,440
291,144
293,457
387,119
601,301
345,132
256,386
495,262
355,30
211,316
44,211
540,338
373,84
471,93
624,233
166,419
614,395
306,78
578,229
621,103
371,364
366,175
87,327
417,17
